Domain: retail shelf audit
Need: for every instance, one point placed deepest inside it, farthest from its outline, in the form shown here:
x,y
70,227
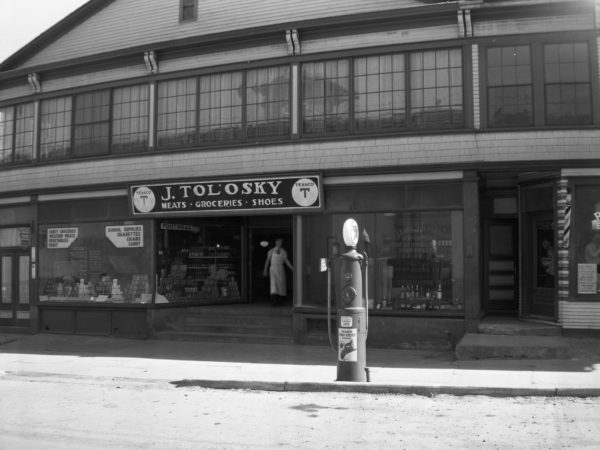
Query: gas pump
x,y
352,308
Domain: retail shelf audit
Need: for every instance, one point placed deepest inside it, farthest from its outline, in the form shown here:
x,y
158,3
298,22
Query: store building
x,y
147,166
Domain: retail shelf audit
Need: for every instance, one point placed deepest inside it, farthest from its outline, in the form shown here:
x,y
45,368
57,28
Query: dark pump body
x,y
352,320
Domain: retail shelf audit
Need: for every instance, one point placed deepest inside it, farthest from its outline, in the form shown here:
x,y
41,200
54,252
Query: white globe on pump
x,y
350,232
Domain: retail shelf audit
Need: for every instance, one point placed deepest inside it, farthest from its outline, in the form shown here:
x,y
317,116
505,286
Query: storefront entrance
x,y
261,238
500,266
14,279
541,267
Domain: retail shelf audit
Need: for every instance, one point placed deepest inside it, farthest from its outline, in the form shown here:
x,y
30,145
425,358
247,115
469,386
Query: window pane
x,y
24,133
55,128
176,113
509,94
7,283
268,103
384,106
325,96
221,107
130,119
91,118
6,134
568,87
23,280
435,84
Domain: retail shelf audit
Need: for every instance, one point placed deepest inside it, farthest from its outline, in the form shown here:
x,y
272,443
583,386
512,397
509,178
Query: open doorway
x,y
262,234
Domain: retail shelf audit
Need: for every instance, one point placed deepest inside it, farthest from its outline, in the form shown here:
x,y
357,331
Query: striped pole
x,y
563,210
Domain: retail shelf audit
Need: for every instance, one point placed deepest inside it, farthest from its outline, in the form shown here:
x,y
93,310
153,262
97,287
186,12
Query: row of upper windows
x,y
421,90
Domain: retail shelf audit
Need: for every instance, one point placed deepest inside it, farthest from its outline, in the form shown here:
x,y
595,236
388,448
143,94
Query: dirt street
x,y
61,413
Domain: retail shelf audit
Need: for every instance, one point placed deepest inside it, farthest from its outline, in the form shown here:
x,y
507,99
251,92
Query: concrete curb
x,y
382,388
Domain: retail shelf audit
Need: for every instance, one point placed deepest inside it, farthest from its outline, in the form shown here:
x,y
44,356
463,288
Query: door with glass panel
x,y
500,266
14,280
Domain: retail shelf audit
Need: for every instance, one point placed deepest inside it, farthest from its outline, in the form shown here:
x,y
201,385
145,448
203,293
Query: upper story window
x,y
188,10
221,107
509,86
176,119
92,120
16,133
55,128
95,123
326,102
568,91
379,90
436,91
268,102
227,107
539,84
130,117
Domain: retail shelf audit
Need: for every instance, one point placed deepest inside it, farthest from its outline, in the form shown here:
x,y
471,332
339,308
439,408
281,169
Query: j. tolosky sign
x,y
283,194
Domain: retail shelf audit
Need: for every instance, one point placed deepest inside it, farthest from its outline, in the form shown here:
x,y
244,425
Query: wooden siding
x,y
363,154
229,57
13,92
532,25
395,37
579,315
129,23
95,77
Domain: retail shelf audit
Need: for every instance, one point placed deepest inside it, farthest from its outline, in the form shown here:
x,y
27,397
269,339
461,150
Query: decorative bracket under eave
x,y
293,42
151,61
34,81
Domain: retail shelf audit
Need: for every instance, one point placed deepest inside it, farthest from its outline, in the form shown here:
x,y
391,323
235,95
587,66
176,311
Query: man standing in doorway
x,y
277,259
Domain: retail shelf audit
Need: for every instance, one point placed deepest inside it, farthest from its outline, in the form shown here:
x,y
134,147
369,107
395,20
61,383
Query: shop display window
x,y
198,262
415,259
583,241
101,262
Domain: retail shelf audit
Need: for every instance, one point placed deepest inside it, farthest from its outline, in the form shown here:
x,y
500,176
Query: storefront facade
x,y
137,187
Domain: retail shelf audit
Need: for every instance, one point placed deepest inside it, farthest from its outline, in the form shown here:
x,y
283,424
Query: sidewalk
x,y
291,367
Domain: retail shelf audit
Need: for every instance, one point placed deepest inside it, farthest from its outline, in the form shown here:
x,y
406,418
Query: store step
x,y
222,337
513,327
502,346
238,323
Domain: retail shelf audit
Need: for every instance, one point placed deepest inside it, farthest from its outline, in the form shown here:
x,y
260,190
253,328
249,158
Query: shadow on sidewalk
x,y
586,353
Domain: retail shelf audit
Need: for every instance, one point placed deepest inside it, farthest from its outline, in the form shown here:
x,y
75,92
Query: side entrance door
x,y
540,274
500,266
15,284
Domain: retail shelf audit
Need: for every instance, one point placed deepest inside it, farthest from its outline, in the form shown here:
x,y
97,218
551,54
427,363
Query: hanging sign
x,y
275,194
61,237
126,236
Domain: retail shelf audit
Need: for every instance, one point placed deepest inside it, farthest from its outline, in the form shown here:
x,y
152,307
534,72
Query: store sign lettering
x,y
61,237
273,194
128,236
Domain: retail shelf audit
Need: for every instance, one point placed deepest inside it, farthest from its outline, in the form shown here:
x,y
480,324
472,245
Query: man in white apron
x,y
277,260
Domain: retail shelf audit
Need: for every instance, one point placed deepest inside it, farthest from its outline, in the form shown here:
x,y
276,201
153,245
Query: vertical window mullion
x,y
14,135
197,112
71,152
244,106
351,99
408,87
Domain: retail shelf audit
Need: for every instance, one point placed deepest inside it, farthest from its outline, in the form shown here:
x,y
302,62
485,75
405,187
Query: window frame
x,y
408,126
14,132
536,44
183,10
71,153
